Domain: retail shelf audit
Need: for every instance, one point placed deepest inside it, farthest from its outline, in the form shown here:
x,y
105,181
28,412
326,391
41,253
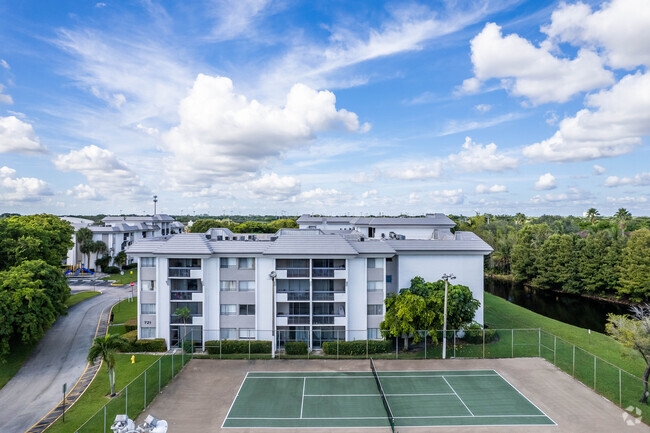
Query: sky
x,y
333,107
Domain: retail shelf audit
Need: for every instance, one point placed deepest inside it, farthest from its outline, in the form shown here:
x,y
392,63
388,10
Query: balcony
x,y
328,319
298,320
298,296
329,272
185,273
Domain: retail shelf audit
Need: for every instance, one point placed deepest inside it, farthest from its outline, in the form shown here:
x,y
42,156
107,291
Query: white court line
x,y
377,395
302,402
461,400
235,399
381,376
513,387
406,417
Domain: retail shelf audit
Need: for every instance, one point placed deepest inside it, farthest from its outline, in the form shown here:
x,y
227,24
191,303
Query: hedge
x,y
155,345
131,325
214,347
474,336
111,270
131,337
357,347
295,348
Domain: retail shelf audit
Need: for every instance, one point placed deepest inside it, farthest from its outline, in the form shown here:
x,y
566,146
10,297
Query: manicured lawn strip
x,y
116,330
500,313
19,354
96,395
74,299
127,278
125,310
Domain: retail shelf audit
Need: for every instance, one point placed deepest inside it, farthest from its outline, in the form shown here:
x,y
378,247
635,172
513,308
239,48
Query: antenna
x,y
155,200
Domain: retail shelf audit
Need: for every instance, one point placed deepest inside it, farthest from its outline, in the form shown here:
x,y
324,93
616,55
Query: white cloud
x,y
598,169
470,86
454,127
223,134
616,28
369,193
573,195
414,198
450,196
627,200
274,187
483,108
235,18
321,197
413,170
546,181
17,136
84,192
363,177
4,64
551,118
106,174
613,125
639,179
485,189
5,99
476,158
532,72
21,189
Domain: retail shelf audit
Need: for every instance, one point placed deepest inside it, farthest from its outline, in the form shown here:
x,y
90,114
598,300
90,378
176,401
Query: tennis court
x,y
354,399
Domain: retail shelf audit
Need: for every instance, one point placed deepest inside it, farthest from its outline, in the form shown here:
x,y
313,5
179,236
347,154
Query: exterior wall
x,y
468,270
211,299
357,299
392,269
264,296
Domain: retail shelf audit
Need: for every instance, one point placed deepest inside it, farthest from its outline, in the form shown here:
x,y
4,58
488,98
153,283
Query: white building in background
x,y
118,233
308,284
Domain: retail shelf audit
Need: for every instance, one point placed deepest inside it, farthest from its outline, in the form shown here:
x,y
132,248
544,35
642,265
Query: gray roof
x,y
435,219
310,245
238,247
144,218
463,241
373,247
146,246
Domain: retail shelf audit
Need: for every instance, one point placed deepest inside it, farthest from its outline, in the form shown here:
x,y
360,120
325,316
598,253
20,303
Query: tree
x,y
286,223
203,225
87,247
120,258
622,216
557,263
183,313
103,261
592,213
597,264
520,219
634,332
634,269
526,250
105,349
253,227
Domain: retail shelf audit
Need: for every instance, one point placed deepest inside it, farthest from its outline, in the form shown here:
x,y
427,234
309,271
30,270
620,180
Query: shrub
x,y
474,334
155,345
130,266
131,325
131,337
295,348
357,347
111,270
214,347
188,346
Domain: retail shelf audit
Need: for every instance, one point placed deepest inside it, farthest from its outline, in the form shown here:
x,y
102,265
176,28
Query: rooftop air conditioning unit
x,y
219,237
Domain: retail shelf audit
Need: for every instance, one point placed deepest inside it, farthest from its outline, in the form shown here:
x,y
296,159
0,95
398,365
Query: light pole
x,y
445,277
273,274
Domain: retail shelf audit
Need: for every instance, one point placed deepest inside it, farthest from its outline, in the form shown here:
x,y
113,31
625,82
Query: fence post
x,y
221,344
539,341
512,351
159,373
396,347
126,401
454,345
367,347
620,389
574,361
249,350
145,389
105,417
172,363
483,343
594,372
425,344
554,349
337,348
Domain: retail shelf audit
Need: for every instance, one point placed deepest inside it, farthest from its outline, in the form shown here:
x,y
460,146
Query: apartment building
x,y
309,284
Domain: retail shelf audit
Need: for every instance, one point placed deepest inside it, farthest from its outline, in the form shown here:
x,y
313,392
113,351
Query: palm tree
x,y
183,313
85,236
622,216
592,213
105,348
87,247
520,218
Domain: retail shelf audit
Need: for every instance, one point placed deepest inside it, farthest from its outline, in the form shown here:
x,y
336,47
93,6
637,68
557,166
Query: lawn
x,y
19,354
96,395
127,278
81,296
116,330
125,310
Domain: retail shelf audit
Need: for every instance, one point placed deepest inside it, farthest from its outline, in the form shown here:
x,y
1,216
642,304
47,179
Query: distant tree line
x,y
203,225
591,255
33,289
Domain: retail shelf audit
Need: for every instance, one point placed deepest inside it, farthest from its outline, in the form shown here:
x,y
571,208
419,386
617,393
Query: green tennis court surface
x,y
352,399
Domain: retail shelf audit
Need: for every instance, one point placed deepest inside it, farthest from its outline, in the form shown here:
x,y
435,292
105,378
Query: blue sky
x,y
335,107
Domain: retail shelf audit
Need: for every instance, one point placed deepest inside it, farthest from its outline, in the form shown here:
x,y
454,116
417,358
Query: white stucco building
x,y
308,284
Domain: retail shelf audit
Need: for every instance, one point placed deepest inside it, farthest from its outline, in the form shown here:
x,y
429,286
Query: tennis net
x,y
389,413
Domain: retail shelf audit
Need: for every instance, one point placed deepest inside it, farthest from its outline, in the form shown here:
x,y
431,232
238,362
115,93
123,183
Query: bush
x,y
474,334
111,270
131,337
357,347
214,347
131,325
155,345
130,266
295,348
188,346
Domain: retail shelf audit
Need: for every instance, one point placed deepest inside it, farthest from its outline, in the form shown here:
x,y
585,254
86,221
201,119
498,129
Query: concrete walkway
x,y
59,358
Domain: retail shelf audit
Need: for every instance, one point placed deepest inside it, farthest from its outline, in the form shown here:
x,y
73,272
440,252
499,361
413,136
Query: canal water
x,y
573,309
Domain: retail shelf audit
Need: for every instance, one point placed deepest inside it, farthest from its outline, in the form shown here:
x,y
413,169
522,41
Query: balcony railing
x,y
298,320
297,272
181,296
179,320
179,272
325,319
298,296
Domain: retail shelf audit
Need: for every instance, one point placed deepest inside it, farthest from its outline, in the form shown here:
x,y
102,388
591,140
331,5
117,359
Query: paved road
x,y
59,358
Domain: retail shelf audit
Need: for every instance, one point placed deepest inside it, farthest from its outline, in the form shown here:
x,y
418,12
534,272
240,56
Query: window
x,y
196,308
247,334
148,262
247,310
228,286
375,310
247,286
374,334
148,308
375,263
193,285
148,332
228,309
389,278
147,285
375,286
247,263
228,333
185,263
228,262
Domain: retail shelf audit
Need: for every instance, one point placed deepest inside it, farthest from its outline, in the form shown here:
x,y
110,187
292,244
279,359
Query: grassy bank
x,y
19,354
127,278
125,310
81,296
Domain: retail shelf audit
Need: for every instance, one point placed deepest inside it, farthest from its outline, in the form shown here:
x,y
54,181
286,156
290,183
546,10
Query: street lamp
x,y
445,277
273,274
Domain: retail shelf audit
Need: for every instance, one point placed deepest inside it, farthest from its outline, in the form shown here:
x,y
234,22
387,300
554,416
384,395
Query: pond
x,y
573,309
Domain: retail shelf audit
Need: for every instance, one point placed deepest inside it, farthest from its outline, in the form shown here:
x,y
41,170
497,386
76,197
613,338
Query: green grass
x,y
19,354
125,310
96,395
116,330
127,278
81,296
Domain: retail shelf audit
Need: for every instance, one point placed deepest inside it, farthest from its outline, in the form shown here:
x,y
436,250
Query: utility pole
x,y
155,200
444,325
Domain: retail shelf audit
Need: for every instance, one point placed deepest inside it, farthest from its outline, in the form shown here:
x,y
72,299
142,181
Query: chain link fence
x,y
142,390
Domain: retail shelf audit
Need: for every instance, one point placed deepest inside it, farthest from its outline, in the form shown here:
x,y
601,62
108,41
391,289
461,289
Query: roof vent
x,y
219,237
208,237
